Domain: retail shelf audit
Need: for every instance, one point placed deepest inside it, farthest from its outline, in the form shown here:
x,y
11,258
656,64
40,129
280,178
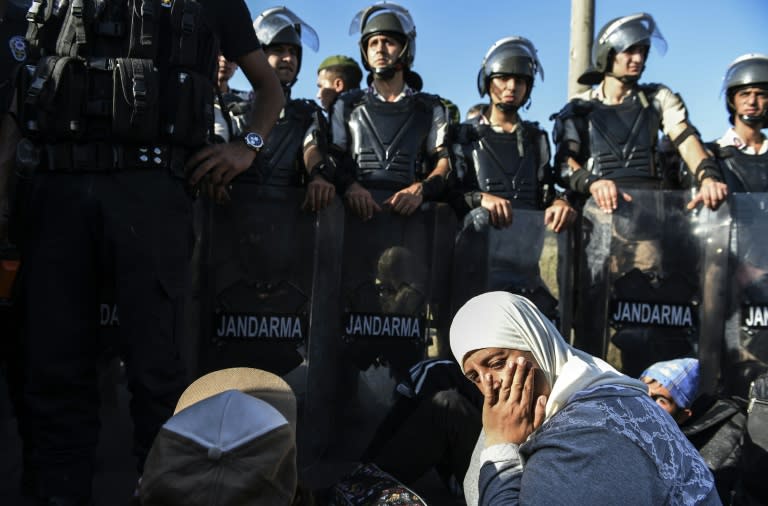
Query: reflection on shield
x,y
269,283
394,285
746,326
639,279
394,297
524,258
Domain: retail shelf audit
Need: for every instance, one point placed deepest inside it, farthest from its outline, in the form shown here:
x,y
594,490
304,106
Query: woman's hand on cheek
x,y
510,411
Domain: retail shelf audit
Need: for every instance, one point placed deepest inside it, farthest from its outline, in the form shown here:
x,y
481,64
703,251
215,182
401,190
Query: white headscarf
x,y
504,320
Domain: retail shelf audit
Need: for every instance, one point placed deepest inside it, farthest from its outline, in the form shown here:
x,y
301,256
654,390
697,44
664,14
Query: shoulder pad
x,y
352,97
533,127
574,108
467,131
304,106
720,151
650,89
533,130
428,98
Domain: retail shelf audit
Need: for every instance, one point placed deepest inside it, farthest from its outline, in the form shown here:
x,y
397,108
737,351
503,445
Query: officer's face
x,y
226,69
383,50
284,58
750,101
328,87
508,89
630,62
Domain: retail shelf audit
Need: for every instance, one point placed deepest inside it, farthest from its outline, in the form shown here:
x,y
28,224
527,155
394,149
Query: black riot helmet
x,y
390,19
747,70
279,25
510,56
619,35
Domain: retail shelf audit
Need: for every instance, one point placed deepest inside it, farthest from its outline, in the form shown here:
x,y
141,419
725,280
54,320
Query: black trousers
x,y
85,230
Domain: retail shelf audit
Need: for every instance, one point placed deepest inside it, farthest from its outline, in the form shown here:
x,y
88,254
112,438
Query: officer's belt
x,y
106,156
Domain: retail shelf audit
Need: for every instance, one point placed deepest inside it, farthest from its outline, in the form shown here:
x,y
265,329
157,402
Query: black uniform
x,y
122,95
514,166
742,172
281,161
615,142
387,141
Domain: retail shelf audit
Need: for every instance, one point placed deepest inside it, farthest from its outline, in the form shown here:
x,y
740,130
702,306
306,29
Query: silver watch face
x,y
254,140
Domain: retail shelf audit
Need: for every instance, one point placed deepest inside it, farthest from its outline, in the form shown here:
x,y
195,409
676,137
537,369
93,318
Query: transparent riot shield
x,y
269,291
746,325
394,284
394,289
525,258
639,279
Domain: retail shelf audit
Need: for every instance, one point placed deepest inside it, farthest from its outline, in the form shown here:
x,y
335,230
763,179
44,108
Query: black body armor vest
x,y
622,139
281,161
506,164
387,139
130,71
743,172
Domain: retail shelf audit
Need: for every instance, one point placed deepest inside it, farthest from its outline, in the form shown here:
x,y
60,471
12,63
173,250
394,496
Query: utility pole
x,y
582,30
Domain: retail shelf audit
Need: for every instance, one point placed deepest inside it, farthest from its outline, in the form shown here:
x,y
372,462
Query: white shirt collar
x,y
407,92
731,138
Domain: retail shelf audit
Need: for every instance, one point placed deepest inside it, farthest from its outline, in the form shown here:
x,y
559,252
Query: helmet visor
x,y
631,30
364,16
513,55
747,69
509,56
270,22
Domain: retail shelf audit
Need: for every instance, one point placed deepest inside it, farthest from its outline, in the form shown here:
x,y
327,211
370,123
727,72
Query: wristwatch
x,y
254,141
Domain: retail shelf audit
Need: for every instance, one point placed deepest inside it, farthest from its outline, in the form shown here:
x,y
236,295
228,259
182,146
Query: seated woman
x,y
561,426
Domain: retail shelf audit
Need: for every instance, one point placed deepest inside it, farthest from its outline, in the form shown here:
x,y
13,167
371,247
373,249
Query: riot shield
x,y
525,258
394,284
746,325
269,290
639,280
394,289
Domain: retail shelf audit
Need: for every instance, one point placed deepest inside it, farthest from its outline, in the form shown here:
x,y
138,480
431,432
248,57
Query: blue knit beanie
x,y
679,376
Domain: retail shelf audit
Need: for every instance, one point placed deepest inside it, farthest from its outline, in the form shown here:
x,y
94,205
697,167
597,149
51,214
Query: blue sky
x,y
703,37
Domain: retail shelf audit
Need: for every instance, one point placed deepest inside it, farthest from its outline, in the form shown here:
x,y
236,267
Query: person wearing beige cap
x,y
231,441
561,426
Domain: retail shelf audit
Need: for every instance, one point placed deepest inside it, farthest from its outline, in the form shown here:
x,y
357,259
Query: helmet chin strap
x,y
386,73
506,107
624,79
758,120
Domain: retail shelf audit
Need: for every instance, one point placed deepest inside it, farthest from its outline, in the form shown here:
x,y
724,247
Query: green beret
x,y
338,60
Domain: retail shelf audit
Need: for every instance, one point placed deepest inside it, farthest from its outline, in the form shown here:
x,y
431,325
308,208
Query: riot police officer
x,y
118,109
606,136
501,161
335,75
390,136
297,150
742,153
743,150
